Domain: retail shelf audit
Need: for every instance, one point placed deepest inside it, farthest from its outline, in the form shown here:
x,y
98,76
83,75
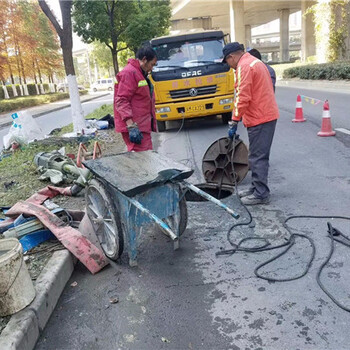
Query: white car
x,y
103,84
64,87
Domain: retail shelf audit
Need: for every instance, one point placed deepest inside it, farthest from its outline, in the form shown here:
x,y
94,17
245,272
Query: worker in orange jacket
x,y
256,106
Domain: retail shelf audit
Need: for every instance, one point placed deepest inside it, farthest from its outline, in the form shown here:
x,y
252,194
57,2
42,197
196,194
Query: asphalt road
x,y
190,299
62,117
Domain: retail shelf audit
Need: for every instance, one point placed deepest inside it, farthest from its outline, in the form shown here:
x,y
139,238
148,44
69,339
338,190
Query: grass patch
x,y
325,71
281,67
18,176
96,114
17,103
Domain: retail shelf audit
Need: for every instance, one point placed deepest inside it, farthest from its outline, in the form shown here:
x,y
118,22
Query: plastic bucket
x,y
16,287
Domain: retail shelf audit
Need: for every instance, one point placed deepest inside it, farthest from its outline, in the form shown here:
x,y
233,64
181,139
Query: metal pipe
x,y
210,198
162,224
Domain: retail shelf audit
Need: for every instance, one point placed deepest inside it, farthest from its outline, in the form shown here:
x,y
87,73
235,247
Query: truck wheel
x,y
161,126
226,117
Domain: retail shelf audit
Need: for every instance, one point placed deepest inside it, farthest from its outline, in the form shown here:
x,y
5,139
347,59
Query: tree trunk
x,y
115,60
65,34
42,91
22,68
18,69
39,71
19,59
34,75
110,7
6,94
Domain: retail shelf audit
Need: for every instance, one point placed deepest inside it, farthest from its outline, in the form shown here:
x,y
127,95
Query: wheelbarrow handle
x,y
160,222
210,198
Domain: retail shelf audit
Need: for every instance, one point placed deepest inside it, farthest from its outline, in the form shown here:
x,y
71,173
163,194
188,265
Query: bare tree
x,y
66,39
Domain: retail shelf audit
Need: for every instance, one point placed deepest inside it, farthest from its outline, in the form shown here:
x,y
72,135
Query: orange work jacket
x,y
254,101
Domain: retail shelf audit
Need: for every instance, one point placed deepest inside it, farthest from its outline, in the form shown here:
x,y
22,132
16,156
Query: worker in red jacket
x,y
134,101
256,105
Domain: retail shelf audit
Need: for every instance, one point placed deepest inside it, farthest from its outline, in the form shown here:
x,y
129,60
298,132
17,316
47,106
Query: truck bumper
x,y
194,108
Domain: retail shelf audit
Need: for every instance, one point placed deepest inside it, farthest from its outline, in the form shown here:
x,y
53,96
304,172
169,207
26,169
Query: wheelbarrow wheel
x,y
105,219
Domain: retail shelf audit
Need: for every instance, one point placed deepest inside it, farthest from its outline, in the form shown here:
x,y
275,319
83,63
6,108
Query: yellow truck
x,y
190,79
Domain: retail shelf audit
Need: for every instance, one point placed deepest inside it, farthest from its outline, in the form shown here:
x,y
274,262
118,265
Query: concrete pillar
x,y
308,43
274,57
248,35
284,35
236,12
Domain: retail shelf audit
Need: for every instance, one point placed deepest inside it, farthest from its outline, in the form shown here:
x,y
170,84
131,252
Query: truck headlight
x,y
225,101
163,110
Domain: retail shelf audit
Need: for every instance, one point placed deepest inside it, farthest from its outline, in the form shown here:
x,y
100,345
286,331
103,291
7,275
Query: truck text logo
x,y
191,74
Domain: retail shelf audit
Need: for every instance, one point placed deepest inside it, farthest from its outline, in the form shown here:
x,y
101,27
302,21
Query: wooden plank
x,y
134,172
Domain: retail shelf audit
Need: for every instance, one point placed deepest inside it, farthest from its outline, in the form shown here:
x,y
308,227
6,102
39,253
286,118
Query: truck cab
x,y
190,79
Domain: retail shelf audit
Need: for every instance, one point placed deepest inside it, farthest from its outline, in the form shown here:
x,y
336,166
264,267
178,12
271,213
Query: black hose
x,y
331,233
334,234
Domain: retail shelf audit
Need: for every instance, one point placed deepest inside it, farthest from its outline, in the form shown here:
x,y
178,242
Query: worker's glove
x,y
135,135
232,129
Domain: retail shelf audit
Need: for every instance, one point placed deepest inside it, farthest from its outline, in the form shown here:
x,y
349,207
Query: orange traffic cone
x,y
299,117
326,128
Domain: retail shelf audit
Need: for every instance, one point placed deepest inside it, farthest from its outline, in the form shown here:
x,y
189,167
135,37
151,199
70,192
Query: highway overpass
x,y
238,17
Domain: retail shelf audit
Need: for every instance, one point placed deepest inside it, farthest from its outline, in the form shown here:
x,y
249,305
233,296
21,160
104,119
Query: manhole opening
x,y
213,190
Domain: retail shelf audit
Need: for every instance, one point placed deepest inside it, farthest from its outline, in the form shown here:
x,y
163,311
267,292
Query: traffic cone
x,y
299,117
326,128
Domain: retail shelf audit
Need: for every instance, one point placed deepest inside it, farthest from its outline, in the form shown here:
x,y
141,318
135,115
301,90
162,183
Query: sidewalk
x,y
37,111
341,86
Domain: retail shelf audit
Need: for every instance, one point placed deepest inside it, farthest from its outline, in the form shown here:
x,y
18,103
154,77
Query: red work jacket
x,y
255,101
134,98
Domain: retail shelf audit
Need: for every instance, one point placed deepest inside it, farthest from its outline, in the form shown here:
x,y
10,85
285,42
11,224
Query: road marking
x,y
345,131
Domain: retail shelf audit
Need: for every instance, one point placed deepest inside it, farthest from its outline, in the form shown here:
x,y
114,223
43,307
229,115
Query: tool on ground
x,y
61,168
84,154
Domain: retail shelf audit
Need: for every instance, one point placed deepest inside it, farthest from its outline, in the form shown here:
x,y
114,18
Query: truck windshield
x,y
188,54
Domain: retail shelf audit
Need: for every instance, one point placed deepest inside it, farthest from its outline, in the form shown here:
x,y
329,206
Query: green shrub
x,y
325,71
18,103
46,88
9,90
2,95
18,89
31,89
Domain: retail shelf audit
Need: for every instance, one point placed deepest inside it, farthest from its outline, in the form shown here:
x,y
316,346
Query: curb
x,y
340,86
2,125
25,327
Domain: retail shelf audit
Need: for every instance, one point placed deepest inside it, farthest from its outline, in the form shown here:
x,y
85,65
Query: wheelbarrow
x,y
130,190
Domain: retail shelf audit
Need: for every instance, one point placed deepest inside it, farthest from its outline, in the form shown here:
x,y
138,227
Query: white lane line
x,y
345,131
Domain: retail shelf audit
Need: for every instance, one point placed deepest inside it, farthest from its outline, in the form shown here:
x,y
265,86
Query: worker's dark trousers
x,y
260,140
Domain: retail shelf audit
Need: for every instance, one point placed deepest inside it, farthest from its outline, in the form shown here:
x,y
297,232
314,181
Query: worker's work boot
x,y
245,193
252,200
